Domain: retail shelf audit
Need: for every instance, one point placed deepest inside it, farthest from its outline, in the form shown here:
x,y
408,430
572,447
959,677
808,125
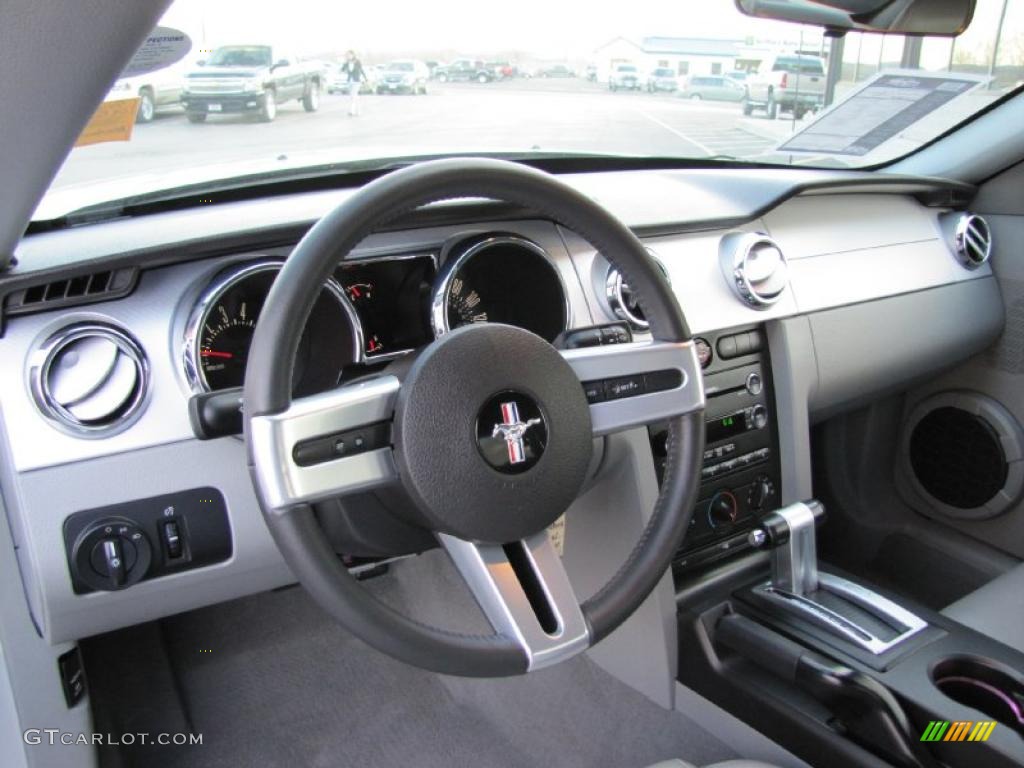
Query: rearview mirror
x,y
942,18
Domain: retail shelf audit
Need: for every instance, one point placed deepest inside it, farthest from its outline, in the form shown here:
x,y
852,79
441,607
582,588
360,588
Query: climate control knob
x,y
761,492
723,509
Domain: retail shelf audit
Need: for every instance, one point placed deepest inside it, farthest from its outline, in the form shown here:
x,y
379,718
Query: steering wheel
x,y
489,432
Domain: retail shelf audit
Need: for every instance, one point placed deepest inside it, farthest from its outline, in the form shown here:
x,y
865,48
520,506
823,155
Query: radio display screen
x,y
724,427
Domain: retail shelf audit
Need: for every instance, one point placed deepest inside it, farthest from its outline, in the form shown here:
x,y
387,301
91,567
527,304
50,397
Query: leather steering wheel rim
x,y
268,385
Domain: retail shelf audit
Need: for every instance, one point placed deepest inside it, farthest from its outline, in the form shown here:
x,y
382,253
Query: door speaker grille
x,y
957,458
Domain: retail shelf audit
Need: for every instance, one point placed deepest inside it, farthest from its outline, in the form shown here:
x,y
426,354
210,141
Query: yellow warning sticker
x,y
113,121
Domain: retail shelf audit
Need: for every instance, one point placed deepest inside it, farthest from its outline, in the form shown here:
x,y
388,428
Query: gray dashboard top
x,y
652,202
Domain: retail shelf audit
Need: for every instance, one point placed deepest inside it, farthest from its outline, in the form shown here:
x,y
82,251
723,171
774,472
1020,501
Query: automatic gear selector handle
x,y
789,534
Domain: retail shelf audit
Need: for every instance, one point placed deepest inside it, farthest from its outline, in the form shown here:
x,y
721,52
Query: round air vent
x,y
755,268
972,240
89,379
621,299
962,452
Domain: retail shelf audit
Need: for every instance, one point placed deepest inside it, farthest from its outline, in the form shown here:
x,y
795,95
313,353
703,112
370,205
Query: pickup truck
x,y
252,79
789,82
465,70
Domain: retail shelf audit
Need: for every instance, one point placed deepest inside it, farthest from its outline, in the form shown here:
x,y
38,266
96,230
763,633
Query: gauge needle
x,y
213,353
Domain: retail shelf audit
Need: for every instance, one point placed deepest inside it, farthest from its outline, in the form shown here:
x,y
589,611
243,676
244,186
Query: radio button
x,y
727,347
758,417
754,384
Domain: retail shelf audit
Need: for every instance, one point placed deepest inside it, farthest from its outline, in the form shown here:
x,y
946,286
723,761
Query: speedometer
x,y
501,279
221,328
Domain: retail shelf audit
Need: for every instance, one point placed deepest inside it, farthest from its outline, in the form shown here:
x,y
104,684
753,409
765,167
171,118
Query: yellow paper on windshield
x,y
113,121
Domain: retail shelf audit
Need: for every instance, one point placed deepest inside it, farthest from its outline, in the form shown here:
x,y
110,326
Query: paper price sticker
x,y
112,121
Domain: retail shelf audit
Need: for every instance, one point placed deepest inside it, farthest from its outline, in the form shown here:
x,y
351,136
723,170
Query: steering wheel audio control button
x,y
625,386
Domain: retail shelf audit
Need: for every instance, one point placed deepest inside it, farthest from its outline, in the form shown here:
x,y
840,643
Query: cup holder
x,y
981,685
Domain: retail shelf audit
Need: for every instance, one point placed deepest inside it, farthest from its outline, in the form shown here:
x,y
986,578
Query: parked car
x,y
503,70
624,77
404,76
556,70
465,70
249,79
338,82
156,91
712,88
788,82
662,79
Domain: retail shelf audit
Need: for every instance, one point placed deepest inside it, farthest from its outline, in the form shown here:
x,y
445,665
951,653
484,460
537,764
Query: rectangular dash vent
x,y
71,291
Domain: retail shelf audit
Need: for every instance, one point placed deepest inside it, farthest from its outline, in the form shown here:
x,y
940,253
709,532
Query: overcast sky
x,y
544,28
539,29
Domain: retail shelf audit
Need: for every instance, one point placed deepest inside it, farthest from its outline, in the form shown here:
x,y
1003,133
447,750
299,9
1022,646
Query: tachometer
x,y
501,279
221,328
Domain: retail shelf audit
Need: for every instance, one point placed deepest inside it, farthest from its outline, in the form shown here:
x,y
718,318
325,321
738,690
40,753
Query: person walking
x,y
353,69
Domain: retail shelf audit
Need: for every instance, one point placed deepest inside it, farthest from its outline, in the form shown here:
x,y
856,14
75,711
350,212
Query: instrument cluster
x,y
375,310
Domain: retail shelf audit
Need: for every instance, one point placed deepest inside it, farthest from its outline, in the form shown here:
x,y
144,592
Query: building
x,y
684,55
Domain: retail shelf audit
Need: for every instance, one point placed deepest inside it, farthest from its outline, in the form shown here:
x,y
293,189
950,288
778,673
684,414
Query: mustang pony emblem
x,y
511,430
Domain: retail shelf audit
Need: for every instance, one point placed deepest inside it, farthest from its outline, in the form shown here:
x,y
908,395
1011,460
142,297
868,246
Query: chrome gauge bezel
x,y
224,281
613,285
439,300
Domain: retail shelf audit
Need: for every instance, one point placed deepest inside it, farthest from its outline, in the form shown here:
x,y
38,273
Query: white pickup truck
x,y
789,82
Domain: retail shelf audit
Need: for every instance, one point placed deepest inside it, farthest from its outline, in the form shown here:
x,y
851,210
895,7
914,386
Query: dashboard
x,y
789,280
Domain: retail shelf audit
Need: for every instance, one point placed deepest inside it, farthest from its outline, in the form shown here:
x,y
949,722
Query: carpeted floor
x,y
269,680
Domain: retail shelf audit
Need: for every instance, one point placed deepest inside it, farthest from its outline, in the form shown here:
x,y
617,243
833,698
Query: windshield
x,y
548,79
240,56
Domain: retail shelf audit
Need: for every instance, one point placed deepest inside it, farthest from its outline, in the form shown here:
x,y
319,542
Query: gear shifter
x,y
848,610
789,532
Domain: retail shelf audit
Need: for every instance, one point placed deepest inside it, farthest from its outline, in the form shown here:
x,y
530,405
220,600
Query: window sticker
x,y
881,109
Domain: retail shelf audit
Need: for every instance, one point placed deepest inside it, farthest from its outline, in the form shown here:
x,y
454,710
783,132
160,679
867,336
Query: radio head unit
x,y
740,472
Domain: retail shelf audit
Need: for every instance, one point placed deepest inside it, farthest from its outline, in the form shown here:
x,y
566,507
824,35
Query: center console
x,y
839,671
740,474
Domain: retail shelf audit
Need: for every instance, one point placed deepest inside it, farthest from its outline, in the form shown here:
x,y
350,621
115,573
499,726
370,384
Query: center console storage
x,y
983,685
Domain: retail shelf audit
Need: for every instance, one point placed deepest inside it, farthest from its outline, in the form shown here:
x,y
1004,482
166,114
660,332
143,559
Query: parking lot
x,y
516,115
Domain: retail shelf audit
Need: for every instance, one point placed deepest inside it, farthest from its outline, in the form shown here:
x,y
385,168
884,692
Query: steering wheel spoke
x,y
524,592
326,445
629,385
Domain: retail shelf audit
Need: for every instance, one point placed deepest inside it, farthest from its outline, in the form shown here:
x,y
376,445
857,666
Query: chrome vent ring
x,y
972,240
89,379
623,302
755,267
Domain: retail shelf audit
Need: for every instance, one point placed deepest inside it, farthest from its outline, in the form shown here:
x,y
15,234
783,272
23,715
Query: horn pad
x,y
492,434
